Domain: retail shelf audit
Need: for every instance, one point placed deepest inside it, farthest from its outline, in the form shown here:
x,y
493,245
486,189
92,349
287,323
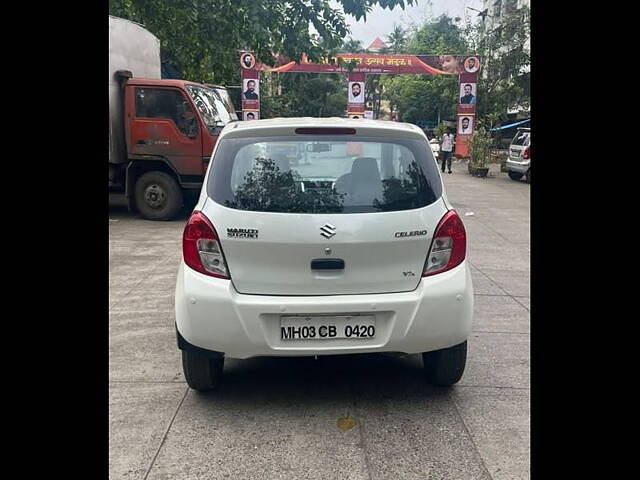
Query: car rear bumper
x,y
518,165
212,315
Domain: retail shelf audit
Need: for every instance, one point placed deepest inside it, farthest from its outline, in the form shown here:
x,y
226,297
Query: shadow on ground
x,y
370,375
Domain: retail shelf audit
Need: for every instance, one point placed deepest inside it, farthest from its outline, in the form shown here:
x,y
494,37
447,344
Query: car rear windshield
x,y
312,174
521,138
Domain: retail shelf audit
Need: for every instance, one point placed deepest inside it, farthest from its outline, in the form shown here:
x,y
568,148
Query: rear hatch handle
x,y
327,264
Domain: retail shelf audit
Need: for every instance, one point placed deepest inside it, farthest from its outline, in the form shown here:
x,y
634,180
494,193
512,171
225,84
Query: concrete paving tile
x,y
411,430
499,257
483,285
514,282
139,352
499,425
138,418
134,320
498,360
275,418
165,282
525,301
140,300
499,314
116,294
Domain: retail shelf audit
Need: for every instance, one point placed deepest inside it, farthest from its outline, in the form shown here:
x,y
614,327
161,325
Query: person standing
x,y
448,140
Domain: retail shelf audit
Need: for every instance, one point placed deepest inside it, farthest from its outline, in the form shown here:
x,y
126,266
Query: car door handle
x,y
327,264
141,142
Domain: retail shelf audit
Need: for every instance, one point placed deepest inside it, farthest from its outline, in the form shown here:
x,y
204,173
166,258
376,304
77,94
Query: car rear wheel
x,y
202,373
158,196
445,367
515,175
528,177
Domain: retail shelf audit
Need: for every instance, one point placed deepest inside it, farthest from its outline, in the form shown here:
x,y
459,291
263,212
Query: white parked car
x,y
345,243
519,161
435,147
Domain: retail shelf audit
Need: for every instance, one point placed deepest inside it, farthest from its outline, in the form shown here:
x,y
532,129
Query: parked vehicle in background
x,y
323,236
161,132
435,147
519,162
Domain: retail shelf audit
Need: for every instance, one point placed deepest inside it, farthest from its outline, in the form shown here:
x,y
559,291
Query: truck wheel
x,y
515,175
158,196
445,367
203,374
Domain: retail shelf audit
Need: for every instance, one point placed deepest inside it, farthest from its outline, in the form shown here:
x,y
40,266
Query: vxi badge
x,y
414,233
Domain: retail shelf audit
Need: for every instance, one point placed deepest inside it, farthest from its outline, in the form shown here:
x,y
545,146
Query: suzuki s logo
x,y
327,230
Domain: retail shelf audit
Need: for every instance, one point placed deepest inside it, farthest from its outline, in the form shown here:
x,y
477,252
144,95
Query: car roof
x,y
287,126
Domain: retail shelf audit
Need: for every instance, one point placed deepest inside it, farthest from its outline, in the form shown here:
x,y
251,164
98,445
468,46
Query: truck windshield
x,y
215,109
226,100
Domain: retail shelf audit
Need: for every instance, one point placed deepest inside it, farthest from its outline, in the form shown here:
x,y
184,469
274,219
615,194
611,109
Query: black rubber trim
x,y
327,264
203,352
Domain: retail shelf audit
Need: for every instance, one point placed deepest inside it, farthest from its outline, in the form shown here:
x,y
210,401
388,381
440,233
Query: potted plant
x,y
479,149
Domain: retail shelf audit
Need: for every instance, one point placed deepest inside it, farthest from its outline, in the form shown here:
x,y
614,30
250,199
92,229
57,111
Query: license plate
x,y
327,327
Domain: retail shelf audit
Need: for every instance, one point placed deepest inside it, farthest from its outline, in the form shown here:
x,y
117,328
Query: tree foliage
x,y
397,40
202,37
505,78
420,97
303,95
503,83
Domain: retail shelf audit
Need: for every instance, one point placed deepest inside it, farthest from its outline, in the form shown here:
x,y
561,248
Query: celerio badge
x,y
414,233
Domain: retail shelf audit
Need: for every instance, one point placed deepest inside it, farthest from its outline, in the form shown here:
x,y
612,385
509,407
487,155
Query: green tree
x,y
420,97
303,95
202,37
505,79
397,40
352,46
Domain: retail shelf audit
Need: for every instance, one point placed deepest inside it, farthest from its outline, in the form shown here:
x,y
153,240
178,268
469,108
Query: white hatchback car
x,y
323,237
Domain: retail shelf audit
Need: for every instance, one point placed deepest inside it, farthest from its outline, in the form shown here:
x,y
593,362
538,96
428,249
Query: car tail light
x,y
449,245
201,247
527,153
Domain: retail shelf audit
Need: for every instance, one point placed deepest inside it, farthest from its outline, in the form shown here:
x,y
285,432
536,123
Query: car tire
x,y
445,367
158,196
202,373
528,176
514,175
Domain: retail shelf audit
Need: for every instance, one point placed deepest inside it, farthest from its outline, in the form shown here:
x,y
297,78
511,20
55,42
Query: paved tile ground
x,y
276,418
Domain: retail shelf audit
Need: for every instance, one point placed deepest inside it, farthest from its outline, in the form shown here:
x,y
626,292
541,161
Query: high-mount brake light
x,y
449,246
201,248
325,131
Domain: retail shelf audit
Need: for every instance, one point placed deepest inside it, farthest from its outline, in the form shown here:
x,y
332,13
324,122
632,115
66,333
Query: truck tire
x,y
514,175
445,367
157,196
202,373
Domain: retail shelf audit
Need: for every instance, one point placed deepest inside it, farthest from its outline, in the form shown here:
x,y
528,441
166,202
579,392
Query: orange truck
x,y
161,131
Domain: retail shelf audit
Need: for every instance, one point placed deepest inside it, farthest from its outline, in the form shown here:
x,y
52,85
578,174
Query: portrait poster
x,y
467,93
247,60
356,92
465,124
471,64
251,89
